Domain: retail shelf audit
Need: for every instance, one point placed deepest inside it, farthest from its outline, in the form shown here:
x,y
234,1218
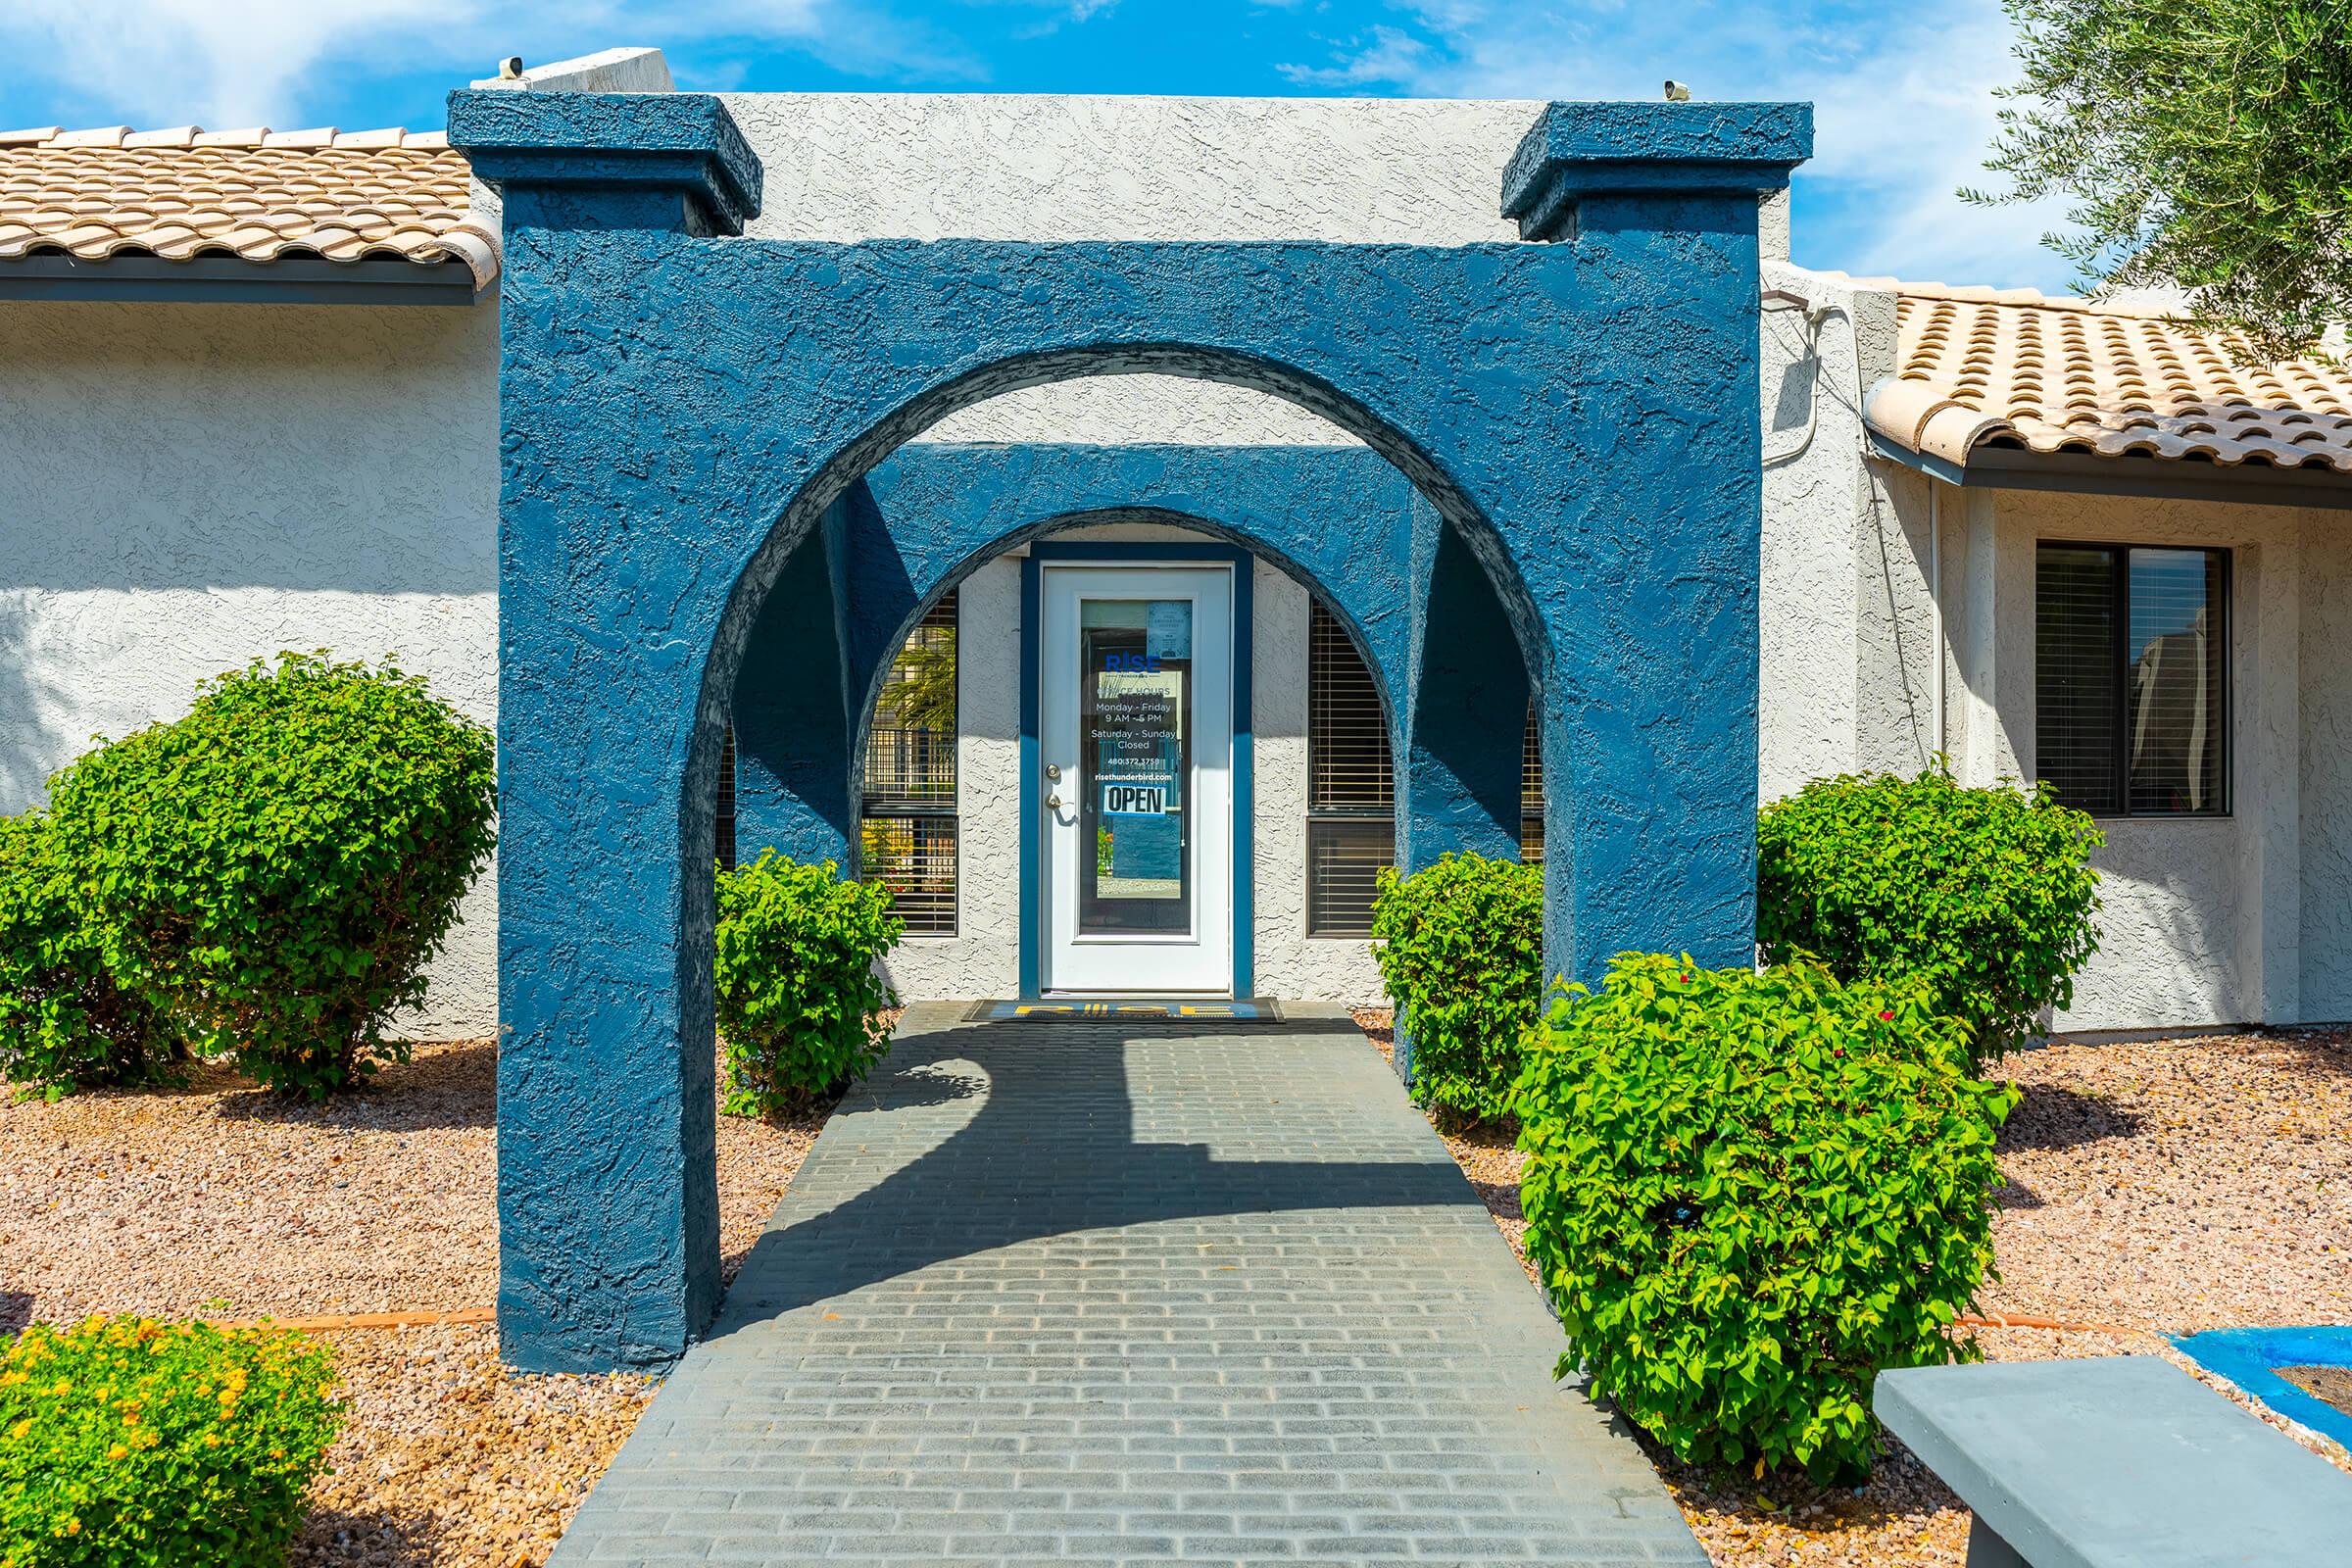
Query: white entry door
x,y
1135,742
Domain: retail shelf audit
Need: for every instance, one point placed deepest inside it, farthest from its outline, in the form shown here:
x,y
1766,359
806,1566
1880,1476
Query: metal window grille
x,y
2131,679
726,801
907,838
1531,793
1350,783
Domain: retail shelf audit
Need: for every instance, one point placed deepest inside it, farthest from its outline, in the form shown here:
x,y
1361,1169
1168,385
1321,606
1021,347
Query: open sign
x,y
1148,798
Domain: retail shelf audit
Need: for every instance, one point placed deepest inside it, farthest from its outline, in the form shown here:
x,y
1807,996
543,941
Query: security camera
x,y
1676,92
510,69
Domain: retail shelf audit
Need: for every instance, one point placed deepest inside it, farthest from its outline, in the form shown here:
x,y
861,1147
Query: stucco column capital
x,y
1578,150
617,143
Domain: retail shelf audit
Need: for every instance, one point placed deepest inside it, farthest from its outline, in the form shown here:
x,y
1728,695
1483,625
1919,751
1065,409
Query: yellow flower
x,y
19,1429
118,1452
73,1527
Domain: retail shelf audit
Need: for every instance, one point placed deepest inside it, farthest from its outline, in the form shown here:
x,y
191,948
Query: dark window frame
x,y
2223,613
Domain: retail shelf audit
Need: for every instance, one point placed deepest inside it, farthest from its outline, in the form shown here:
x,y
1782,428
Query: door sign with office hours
x,y
1135,699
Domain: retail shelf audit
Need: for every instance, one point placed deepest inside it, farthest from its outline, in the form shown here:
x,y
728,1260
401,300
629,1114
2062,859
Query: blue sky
x,y
1903,95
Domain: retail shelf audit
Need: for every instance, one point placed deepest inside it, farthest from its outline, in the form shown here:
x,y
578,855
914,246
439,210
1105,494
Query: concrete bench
x,y
2117,1462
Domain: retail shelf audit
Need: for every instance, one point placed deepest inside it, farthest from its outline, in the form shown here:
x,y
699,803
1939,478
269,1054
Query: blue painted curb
x,y
2251,1358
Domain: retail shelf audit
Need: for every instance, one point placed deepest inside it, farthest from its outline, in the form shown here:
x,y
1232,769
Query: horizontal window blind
x,y
2131,678
915,857
1348,763
1351,784
909,831
1345,857
2074,670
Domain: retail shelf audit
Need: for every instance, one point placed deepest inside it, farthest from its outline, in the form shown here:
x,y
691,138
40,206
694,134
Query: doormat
x,y
2305,1374
1099,1009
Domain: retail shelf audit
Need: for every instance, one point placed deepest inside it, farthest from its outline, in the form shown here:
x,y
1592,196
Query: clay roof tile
x,y
2053,374
260,194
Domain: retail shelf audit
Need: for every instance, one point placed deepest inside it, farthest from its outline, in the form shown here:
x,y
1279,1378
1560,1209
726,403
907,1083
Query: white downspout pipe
x,y
1936,605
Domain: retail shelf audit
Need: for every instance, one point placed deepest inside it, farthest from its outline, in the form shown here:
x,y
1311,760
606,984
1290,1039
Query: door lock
x,y
1052,803
1054,770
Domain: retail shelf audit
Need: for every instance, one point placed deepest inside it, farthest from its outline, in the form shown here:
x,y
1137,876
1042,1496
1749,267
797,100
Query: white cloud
x,y
1903,106
1391,55
168,61
272,62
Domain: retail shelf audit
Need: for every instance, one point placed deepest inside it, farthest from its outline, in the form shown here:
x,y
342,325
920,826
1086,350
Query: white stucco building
x,y
225,432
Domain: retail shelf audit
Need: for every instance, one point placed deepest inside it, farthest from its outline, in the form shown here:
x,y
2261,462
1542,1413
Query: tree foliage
x,y
921,693
2205,144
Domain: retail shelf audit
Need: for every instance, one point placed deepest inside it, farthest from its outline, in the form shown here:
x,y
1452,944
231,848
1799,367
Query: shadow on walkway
x,y
1034,1130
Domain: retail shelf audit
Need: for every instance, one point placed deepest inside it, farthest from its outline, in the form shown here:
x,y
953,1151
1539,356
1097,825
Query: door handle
x,y
1052,803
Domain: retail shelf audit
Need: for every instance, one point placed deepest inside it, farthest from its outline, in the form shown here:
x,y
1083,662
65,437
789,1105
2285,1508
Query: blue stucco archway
x,y
681,408
1340,520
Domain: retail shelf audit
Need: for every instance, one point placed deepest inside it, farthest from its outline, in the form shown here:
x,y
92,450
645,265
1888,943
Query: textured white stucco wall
x,y
2238,919
191,486
995,165
2325,771
2200,919
1848,633
983,958
1289,962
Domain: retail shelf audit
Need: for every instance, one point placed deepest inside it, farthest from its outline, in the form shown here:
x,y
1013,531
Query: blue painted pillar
x,y
609,746
1464,717
1650,697
1457,778
795,785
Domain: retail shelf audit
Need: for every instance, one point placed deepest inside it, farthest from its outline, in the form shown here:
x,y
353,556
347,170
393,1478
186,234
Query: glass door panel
x,y
1135,702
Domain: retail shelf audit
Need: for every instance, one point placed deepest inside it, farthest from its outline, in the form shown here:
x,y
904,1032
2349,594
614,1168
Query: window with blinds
x,y
907,830
2131,679
1531,793
1350,790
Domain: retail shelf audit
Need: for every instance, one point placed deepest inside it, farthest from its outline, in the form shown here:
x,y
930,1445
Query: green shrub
x,y
1461,955
283,862
136,1445
798,995
1750,1192
1987,895
64,1023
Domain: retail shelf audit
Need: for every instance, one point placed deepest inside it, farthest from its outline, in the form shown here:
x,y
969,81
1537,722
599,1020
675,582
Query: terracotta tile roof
x,y
259,194
2051,373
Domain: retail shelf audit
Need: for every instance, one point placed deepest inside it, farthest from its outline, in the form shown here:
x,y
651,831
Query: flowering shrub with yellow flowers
x,y
133,1443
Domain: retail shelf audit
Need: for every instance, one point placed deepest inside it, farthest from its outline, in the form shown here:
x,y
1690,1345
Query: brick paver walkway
x,y
1145,1293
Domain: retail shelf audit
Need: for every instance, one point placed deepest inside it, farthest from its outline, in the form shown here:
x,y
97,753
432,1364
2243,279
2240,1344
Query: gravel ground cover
x,y
219,1201
2158,1185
